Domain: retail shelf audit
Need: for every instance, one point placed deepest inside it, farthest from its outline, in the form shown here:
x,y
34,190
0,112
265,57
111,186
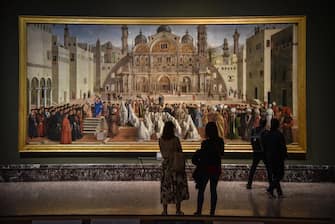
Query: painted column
x,y
202,83
38,97
50,97
29,99
295,72
45,96
128,83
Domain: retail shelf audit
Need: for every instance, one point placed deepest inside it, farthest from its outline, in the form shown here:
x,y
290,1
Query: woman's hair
x,y
168,131
274,124
211,130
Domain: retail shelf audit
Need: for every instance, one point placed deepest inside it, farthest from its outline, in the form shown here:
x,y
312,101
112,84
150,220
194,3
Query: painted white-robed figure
x,y
123,114
269,115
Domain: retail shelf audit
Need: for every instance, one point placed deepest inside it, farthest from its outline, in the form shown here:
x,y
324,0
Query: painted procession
x,y
120,83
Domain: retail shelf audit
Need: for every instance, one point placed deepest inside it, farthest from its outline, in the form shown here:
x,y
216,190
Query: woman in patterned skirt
x,y
174,188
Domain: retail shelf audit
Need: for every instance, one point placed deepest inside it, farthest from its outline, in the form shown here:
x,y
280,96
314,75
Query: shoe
x,y
197,213
279,192
270,194
280,195
248,186
179,213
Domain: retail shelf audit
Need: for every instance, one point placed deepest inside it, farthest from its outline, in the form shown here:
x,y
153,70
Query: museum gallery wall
x,y
318,74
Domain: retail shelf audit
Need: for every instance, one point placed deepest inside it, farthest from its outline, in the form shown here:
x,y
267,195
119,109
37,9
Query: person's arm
x,y
222,149
179,148
252,136
263,140
197,155
160,145
284,148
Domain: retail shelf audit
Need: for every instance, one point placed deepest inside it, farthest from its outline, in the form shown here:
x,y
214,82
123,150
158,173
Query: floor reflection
x,y
311,200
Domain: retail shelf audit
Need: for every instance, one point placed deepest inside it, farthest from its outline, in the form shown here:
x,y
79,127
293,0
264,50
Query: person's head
x,y
211,130
168,130
288,111
274,124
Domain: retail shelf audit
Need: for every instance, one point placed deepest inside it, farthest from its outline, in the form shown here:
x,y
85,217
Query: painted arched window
x,y
34,91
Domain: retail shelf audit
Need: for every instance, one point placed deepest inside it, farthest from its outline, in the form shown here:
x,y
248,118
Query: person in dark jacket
x,y
32,124
208,166
275,154
257,149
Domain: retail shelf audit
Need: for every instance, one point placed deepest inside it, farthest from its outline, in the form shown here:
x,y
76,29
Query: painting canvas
x,y
100,84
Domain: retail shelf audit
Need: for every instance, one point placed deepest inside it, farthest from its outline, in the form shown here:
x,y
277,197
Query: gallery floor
x,y
142,198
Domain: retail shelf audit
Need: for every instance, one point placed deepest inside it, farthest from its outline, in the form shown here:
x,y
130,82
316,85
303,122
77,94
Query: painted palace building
x,y
165,63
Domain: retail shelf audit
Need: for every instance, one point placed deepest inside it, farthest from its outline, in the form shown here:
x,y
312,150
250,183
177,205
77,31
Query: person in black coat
x,y
53,129
32,124
208,166
275,154
257,149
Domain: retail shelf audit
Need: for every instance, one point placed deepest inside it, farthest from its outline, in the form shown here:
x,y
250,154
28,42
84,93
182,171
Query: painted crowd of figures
x,y
234,121
60,123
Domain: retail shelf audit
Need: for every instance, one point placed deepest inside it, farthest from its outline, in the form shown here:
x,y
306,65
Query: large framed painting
x,y
92,84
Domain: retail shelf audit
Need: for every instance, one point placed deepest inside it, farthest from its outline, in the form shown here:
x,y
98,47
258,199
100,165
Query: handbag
x,y
198,173
197,176
178,164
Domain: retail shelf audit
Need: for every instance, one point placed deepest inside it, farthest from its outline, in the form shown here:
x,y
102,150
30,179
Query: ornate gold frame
x,y
301,147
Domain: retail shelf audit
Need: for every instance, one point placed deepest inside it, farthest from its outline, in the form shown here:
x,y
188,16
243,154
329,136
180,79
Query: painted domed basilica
x,y
165,63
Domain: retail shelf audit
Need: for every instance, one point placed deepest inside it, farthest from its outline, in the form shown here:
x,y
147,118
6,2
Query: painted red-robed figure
x,y
66,137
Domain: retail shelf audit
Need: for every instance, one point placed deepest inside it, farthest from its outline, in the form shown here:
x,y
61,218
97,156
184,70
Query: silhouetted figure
x,y
257,148
208,166
275,154
174,188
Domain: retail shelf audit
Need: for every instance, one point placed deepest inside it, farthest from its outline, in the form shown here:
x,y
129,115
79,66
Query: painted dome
x,y
140,39
187,39
163,28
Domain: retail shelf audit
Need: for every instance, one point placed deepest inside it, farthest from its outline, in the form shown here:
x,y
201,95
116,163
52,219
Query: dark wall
x,y
320,121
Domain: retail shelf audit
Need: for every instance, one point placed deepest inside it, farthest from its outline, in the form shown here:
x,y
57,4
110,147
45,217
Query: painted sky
x,y
215,33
